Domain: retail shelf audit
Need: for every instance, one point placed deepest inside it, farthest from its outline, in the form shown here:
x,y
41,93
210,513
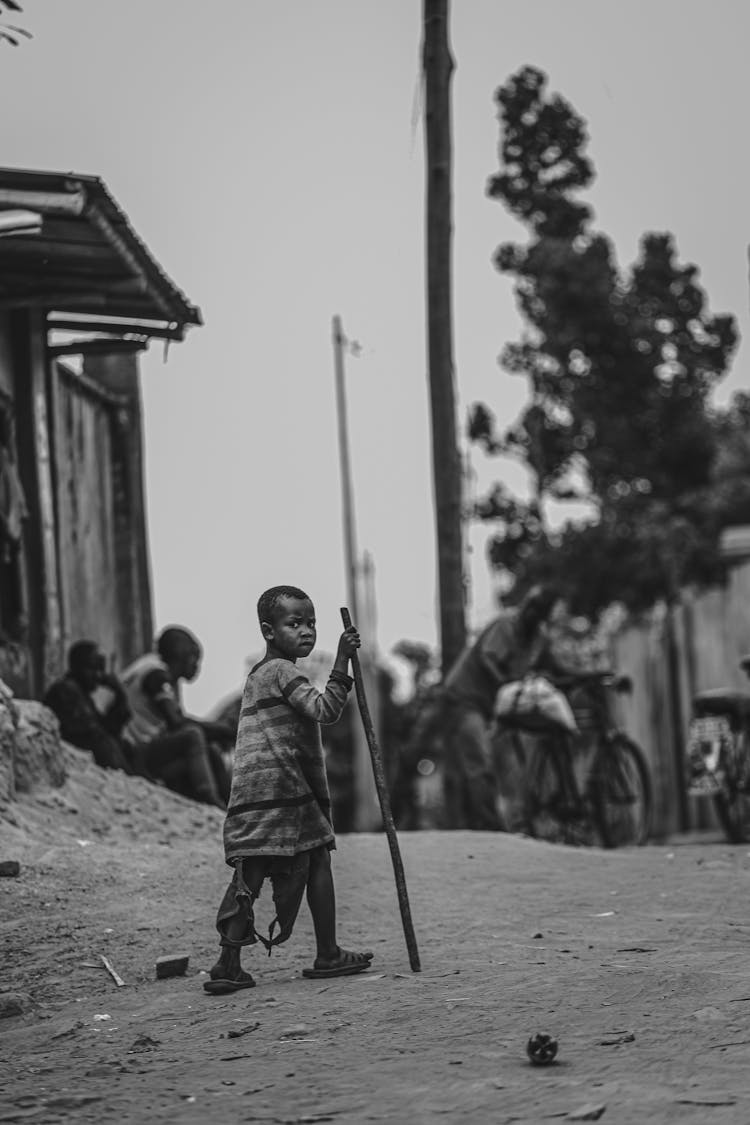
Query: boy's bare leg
x,y
321,899
228,966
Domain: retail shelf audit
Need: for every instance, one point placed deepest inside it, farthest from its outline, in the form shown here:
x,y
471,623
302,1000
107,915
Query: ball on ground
x,y
541,1049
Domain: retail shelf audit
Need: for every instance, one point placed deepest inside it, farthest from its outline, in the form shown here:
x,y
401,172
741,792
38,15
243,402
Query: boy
x,y
278,823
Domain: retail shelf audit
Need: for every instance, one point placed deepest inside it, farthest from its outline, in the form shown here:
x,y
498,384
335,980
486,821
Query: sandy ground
x,y
636,961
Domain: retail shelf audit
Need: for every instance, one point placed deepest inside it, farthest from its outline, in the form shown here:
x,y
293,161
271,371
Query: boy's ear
x,y
266,630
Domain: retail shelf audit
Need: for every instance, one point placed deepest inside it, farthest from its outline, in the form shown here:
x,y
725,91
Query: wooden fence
x,y
671,654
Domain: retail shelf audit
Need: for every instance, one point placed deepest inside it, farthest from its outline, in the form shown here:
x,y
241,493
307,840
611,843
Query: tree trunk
x,y
437,66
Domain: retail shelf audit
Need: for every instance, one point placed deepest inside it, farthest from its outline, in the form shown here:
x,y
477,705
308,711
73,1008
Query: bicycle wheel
x,y
733,811
621,792
549,812
733,803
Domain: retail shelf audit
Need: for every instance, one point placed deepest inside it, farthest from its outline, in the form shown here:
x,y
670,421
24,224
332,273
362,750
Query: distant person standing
x,y
514,643
168,744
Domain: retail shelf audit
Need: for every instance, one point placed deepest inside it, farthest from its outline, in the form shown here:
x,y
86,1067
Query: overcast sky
x,y
271,155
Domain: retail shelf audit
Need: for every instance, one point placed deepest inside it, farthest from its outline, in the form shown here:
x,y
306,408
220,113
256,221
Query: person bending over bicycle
x,y
516,642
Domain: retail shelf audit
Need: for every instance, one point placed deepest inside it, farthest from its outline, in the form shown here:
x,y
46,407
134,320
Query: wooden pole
x,y
437,65
347,500
674,679
365,805
385,807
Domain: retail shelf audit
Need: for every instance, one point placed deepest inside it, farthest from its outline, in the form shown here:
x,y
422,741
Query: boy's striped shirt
x,y
280,803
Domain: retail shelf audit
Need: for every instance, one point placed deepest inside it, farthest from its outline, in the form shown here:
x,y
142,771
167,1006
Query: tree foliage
x,y
620,365
9,33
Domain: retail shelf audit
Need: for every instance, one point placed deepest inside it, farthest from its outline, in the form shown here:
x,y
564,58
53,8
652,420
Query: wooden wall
x,y
711,631
84,556
82,474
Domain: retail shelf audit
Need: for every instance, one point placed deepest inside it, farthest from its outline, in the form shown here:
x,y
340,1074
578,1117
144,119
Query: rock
x,y
709,1015
298,1031
588,1112
615,1038
238,1032
144,1043
9,868
174,965
39,755
14,1004
8,724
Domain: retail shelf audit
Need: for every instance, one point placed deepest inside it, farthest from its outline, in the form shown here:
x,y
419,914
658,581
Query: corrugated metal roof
x,y
87,258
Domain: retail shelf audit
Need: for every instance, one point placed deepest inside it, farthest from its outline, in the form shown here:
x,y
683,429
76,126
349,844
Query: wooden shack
x,y
80,297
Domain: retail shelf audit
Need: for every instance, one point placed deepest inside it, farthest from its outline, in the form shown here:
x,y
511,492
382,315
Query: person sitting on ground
x,y
167,744
278,824
82,724
514,643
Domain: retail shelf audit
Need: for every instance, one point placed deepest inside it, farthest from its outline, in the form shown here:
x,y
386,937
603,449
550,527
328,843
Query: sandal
x,y
344,965
221,986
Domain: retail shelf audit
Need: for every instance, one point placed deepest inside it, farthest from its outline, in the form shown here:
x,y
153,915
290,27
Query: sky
x,y
271,156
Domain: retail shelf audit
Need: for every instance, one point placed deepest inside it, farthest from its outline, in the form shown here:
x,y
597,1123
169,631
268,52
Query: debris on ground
x,y
110,969
589,1112
238,1032
144,1043
13,1004
174,965
616,1038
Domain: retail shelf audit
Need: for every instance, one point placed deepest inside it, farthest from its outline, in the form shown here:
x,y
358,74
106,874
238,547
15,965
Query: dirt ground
x,y
636,961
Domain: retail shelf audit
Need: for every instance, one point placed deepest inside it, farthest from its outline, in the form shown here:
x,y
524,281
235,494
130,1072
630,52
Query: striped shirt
x,y
280,804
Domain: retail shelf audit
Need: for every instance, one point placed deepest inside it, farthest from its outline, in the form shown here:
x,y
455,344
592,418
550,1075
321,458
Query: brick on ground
x,y
174,965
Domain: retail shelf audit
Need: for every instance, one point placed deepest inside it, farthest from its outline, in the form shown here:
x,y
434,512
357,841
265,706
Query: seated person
x,y
167,744
81,722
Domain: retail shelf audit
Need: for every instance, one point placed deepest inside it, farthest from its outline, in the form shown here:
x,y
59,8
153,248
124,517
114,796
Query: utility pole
x,y
437,65
347,501
366,810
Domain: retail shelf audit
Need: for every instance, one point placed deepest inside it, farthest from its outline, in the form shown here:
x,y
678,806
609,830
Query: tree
x,y
9,32
437,66
620,366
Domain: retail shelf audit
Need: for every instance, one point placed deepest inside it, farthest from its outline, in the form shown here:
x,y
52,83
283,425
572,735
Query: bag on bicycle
x,y
536,704
710,740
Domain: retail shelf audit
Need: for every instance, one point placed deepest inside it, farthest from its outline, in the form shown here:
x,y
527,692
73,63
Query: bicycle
x,y
718,757
613,801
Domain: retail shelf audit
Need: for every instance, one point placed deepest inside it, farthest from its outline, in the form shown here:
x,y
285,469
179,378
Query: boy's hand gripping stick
x,y
385,805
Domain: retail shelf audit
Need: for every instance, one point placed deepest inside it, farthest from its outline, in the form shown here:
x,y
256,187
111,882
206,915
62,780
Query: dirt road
x,y
637,962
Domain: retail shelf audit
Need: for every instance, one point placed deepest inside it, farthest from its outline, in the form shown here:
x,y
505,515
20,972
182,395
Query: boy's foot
x,y
344,964
221,985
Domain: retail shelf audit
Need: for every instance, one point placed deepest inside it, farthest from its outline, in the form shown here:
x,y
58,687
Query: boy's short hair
x,y
269,600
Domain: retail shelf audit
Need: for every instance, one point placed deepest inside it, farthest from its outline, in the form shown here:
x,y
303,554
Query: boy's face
x,y
292,632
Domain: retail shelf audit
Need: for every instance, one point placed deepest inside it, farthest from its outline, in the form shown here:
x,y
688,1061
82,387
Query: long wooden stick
x,y
385,806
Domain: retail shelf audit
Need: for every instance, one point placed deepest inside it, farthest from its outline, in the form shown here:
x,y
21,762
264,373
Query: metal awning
x,y
83,263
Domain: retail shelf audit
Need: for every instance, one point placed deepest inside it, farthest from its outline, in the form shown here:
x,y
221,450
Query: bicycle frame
x,y
602,729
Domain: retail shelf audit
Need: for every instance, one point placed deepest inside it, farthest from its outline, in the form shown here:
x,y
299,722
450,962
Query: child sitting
x,y
278,824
